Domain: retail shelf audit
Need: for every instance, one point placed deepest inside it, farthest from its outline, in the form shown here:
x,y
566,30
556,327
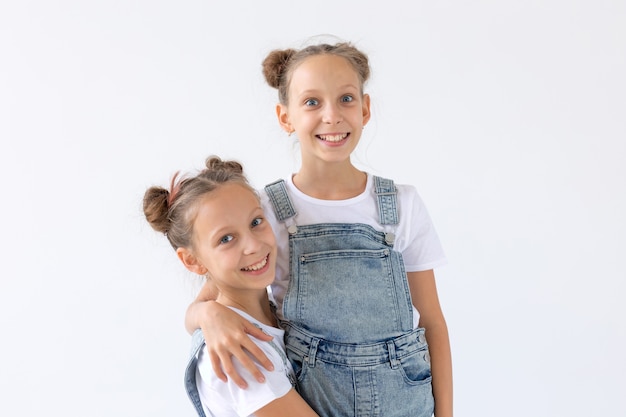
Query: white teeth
x,y
257,266
333,138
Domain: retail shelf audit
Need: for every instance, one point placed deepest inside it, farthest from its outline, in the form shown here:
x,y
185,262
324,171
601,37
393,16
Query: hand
x,y
227,334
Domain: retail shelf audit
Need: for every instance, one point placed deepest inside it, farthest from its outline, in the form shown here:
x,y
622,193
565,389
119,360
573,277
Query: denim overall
x,y
348,316
197,342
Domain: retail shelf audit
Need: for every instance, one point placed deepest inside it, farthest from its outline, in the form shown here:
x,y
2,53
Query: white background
x,y
509,117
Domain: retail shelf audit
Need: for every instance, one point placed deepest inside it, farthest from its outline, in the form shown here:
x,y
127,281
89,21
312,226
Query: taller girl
x,y
355,281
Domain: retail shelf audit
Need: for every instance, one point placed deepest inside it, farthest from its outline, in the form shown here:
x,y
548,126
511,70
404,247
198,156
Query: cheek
x,y
217,265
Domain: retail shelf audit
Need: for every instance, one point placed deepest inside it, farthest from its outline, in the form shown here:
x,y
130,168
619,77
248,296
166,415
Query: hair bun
x,y
275,65
215,163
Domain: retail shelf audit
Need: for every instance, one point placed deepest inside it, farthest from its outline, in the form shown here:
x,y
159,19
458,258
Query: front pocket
x,y
365,290
416,367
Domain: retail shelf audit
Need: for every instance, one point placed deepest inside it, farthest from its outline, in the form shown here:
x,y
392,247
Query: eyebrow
x,y
255,212
341,87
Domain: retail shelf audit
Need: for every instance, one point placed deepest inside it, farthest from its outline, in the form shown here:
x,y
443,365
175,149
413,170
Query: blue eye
x,y
347,99
226,239
257,221
311,102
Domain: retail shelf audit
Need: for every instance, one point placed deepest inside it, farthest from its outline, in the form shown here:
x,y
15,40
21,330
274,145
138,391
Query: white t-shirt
x,y
226,399
415,235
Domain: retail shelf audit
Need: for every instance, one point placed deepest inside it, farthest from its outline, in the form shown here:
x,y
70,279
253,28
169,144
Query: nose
x,y
332,114
252,244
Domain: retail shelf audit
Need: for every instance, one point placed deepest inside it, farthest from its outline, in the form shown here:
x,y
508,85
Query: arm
x,y
425,298
288,405
226,334
208,292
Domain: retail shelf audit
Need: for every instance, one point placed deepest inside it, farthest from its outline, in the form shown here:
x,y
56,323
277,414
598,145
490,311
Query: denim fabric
x,y
388,379
197,342
347,285
349,319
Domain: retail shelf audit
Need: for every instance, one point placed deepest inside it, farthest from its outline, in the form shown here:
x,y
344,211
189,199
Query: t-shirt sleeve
x,y
243,401
421,248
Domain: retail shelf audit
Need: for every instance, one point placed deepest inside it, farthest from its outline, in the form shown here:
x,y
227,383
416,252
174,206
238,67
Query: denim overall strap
x,y
277,192
197,342
384,188
387,200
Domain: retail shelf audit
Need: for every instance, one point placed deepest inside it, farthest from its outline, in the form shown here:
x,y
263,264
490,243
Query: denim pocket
x,y
416,367
296,364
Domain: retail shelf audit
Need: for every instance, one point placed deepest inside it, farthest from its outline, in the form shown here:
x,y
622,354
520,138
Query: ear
x,y
190,261
366,109
283,118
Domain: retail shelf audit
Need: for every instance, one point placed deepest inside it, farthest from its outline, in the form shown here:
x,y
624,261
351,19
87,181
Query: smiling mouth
x,y
333,138
256,266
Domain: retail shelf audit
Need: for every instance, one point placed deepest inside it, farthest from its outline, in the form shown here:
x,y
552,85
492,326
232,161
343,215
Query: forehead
x,y
324,69
226,199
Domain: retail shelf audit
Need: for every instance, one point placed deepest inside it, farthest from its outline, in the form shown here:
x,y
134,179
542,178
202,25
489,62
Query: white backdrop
x,y
509,117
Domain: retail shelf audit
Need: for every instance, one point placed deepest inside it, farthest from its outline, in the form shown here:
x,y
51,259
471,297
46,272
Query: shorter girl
x,y
215,222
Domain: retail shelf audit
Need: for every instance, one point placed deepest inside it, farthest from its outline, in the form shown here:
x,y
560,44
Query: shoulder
x,y
219,395
406,193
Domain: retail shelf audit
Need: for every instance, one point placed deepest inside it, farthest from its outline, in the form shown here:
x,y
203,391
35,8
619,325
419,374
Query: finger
x,y
231,372
217,367
258,354
258,333
249,365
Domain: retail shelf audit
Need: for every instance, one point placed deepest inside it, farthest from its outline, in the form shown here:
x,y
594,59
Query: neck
x,y
330,182
256,304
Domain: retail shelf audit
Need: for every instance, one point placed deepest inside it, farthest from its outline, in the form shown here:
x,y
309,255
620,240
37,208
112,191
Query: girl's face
x,y
326,109
233,242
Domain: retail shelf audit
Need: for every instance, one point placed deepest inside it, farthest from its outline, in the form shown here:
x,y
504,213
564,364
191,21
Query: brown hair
x,y
279,65
173,211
